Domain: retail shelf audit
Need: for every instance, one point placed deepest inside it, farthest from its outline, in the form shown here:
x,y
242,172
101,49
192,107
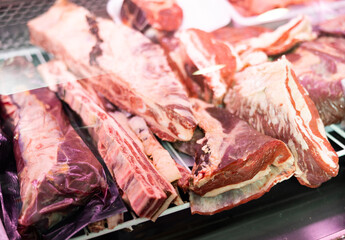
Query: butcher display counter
x,y
288,211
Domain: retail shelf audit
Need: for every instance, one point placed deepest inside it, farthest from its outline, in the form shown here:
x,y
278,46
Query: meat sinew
x,y
162,15
205,64
270,98
57,171
119,62
320,68
149,194
231,158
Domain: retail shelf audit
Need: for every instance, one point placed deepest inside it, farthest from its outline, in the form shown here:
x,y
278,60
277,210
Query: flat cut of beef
x,y
162,15
205,64
148,193
280,40
232,154
235,35
57,171
271,99
320,68
334,26
120,63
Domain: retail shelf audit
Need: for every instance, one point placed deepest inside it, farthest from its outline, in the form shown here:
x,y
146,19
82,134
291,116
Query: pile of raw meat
x,y
248,121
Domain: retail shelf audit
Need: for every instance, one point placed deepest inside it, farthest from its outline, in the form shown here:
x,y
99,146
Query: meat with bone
x,y
193,50
145,14
270,98
232,154
160,157
149,193
334,26
57,171
234,35
320,68
119,62
280,40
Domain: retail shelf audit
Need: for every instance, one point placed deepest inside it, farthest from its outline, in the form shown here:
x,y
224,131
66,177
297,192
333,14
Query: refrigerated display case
x,y
288,211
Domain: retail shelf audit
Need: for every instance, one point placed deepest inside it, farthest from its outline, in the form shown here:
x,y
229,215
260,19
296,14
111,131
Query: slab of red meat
x,y
334,26
149,194
320,68
271,99
57,171
236,35
280,40
161,15
193,50
232,154
121,63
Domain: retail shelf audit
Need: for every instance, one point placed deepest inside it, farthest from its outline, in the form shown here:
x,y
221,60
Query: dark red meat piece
x,y
271,99
320,68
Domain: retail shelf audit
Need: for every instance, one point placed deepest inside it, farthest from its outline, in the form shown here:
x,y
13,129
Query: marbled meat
x,y
271,99
120,63
57,171
194,50
320,68
149,194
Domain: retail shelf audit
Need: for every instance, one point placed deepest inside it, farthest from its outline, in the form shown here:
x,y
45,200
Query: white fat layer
x,y
235,196
257,177
267,95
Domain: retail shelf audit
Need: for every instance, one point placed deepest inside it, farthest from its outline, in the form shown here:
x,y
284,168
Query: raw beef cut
x,y
162,15
234,35
57,171
205,64
280,40
149,194
119,62
320,68
232,154
334,26
270,98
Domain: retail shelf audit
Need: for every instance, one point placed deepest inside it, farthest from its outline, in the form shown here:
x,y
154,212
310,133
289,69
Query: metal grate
x,y
14,16
335,134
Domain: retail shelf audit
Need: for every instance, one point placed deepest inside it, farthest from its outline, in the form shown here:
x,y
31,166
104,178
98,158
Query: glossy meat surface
x,y
119,62
270,98
149,194
57,171
320,68
232,154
